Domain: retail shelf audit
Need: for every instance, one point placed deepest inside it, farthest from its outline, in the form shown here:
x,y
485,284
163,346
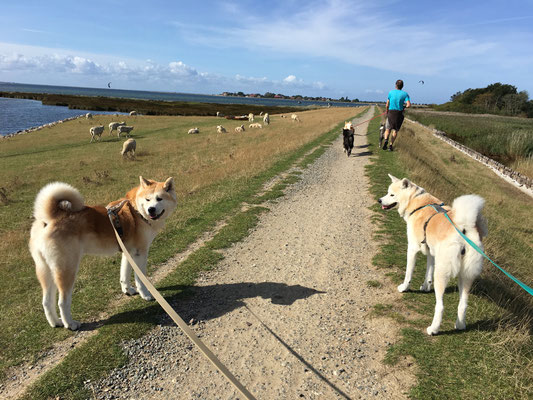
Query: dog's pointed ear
x,y
405,183
169,184
393,178
144,182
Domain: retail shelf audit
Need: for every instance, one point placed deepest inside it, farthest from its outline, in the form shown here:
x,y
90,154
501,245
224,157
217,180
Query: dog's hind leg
x,y
411,260
430,266
443,269
64,276
464,283
49,289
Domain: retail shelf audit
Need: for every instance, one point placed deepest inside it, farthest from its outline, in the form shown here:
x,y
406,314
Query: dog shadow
x,y
203,303
362,154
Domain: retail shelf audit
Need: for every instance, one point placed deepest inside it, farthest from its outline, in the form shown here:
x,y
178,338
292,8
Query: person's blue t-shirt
x,y
397,98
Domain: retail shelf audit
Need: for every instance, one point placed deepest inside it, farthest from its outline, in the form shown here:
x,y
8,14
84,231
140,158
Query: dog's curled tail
x,y
54,198
467,213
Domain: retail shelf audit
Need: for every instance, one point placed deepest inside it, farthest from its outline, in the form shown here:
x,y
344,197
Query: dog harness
x,y
112,212
439,210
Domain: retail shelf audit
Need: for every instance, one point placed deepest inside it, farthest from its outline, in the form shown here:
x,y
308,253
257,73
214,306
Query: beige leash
x,y
113,212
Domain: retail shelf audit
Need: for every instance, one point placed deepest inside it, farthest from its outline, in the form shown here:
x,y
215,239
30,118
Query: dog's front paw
x,y
460,326
146,295
426,287
129,291
72,325
403,287
432,331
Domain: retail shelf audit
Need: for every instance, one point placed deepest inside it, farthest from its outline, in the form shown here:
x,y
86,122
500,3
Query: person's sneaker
x,y
385,144
390,147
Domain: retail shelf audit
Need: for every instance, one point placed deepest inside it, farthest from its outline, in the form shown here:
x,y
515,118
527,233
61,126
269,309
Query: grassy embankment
x,y
214,174
148,107
508,140
493,358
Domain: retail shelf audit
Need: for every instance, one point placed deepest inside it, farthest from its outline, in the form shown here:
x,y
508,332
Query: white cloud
x,y
377,91
81,69
365,34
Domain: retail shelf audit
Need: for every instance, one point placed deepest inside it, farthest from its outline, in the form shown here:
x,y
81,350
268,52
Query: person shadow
x,y
203,303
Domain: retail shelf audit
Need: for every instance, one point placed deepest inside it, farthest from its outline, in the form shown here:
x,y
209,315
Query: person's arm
x,y
387,106
407,104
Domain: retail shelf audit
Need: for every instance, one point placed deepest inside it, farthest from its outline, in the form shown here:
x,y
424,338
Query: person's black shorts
x,y
395,118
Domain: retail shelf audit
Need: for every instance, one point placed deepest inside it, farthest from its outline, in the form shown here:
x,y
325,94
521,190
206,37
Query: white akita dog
x,y
448,254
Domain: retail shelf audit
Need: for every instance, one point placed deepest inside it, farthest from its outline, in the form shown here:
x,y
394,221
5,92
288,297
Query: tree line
x,y
497,98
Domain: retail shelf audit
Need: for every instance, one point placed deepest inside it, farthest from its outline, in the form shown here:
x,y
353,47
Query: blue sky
x,y
320,48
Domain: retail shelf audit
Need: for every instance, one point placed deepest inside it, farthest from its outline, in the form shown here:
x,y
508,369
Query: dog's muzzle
x,y
154,216
387,207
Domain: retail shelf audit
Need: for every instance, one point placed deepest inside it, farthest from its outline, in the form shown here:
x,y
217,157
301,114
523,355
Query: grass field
x,y
214,174
508,140
493,358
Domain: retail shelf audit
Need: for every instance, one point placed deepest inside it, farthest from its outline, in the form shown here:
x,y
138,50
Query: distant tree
x,y
456,96
485,101
269,94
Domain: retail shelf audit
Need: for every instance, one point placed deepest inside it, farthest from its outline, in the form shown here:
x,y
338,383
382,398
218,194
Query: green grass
x,y
508,140
493,358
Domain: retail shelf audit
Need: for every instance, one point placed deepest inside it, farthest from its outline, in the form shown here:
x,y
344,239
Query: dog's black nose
x,y
151,210
379,201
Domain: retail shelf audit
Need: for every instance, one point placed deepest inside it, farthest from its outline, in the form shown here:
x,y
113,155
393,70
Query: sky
x,y
328,48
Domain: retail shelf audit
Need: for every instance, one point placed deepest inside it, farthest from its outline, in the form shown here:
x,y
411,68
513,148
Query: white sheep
x,y
88,115
256,125
295,118
193,131
219,114
221,129
124,128
114,125
133,112
266,119
251,117
261,114
96,131
239,129
128,148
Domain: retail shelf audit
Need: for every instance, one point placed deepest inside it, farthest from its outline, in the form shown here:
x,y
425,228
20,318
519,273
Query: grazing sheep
x,y
283,116
96,131
250,117
294,118
124,128
256,125
88,115
266,119
219,114
221,129
239,129
128,148
193,131
114,125
133,112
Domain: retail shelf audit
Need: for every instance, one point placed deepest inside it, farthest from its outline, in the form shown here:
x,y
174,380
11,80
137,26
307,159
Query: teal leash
x,y
475,246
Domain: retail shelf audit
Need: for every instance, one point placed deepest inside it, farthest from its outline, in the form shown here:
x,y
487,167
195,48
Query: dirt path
x,y
288,308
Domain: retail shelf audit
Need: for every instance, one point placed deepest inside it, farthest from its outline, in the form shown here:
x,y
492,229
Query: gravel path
x,y
288,308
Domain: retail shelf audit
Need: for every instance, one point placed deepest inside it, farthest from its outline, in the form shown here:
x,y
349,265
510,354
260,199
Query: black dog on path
x,y
348,135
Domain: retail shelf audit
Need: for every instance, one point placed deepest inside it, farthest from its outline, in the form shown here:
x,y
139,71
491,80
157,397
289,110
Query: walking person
x,y
397,101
